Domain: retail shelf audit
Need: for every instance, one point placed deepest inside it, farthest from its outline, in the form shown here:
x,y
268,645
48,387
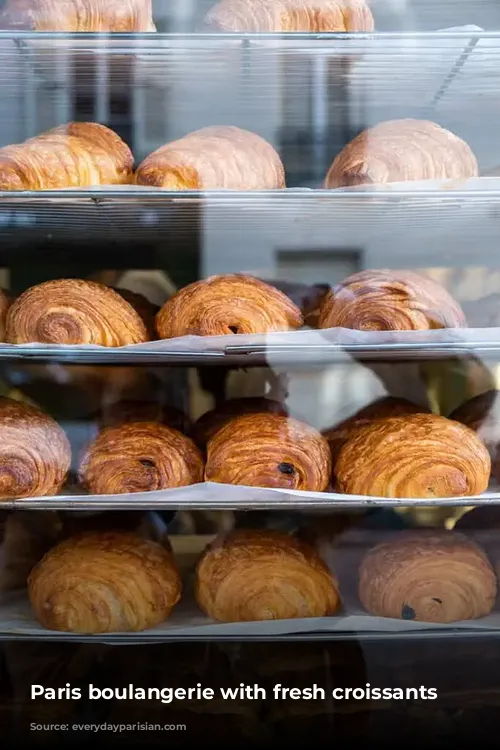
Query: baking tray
x,y
214,496
187,622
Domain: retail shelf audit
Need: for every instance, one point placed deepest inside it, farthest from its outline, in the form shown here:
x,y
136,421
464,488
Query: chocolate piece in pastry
x,y
435,576
78,15
400,151
126,411
269,450
263,575
74,311
143,307
209,423
387,406
140,457
76,155
482,414
413,456
290,15
35,454
226,305
104,583
215,158
384,300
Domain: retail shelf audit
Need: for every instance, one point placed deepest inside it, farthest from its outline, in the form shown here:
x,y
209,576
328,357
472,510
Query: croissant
x,y
73,311
291,15
143,307
388,406
413,456
123,412
78,15
5,303
390,301
482,414
103,583
269,450
211,422
140,457
263,575
224,305
77,155
35,454
215,158
439,576
401,151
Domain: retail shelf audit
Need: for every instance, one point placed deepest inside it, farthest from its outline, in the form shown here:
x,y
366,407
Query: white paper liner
x,y
469,338
225,496
187,621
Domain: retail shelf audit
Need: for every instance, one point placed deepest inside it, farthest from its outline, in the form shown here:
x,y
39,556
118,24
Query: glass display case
x,y
249,347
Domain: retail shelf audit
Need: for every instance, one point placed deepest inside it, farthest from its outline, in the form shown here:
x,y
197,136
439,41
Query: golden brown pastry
x,y
263,575
35,454
211,422
140,457
76,155
291,15
400,151
388,406
73,311
78,15
143,307
106,582
215,158
437,576
126,411
269,450
5,303
225,305
482,414
413,456
390,301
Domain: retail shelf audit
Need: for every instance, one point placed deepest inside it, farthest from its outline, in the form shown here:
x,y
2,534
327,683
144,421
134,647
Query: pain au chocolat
x,y
291,15
78,15
226,305
140,457
211,422
413,456
104,582
383,300
434,576
74,311
215,158
388,406
35,454
269,450
76,155
263,575
401,151
482,414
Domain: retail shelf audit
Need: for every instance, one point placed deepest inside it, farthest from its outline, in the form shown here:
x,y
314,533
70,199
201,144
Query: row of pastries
x,y
83,312
391,449
227,16
117,581
87,154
